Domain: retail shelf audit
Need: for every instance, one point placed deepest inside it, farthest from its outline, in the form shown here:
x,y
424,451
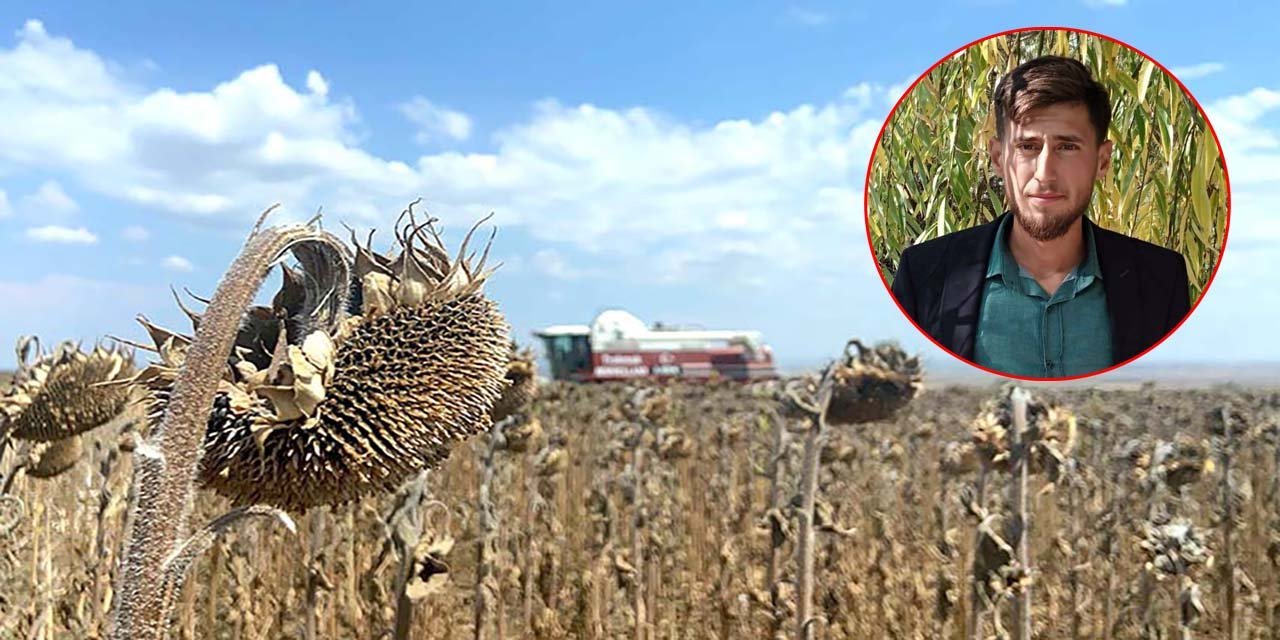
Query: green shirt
x,y
1024,331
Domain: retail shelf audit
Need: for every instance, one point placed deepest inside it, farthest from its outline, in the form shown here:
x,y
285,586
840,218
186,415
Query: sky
x,y
695,163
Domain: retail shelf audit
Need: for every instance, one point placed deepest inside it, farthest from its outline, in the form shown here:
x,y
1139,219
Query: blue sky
x,y
695,163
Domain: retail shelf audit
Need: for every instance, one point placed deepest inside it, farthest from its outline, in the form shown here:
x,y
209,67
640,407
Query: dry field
x,y
597,522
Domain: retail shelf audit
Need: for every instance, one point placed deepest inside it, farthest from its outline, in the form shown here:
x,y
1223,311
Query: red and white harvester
x,y
618,346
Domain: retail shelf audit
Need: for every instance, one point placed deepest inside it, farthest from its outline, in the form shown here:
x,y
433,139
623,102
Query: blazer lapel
x,y
961,302
1124,295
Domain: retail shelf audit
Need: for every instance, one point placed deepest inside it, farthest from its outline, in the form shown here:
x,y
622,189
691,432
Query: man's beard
x,y
1047,228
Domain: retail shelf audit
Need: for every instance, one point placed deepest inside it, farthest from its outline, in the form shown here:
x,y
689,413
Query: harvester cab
x,y
568,350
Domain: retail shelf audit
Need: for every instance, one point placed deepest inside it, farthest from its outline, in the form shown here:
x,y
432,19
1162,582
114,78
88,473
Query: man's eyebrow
x,y
1066,137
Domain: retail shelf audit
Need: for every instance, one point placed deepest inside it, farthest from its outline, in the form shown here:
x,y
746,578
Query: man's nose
x,y
1046,165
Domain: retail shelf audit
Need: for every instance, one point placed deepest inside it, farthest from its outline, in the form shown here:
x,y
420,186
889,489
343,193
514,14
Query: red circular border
x,y
866,204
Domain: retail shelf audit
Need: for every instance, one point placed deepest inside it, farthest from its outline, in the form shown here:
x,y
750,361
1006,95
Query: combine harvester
x,y
619,346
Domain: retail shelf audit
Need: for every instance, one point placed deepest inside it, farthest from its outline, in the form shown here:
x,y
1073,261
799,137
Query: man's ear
x,y
1104,158
995,149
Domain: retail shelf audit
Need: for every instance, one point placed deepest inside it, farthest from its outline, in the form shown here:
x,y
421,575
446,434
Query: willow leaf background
x,y
930,170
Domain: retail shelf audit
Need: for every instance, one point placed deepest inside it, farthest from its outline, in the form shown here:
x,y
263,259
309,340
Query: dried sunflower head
x,y
1174,548
49,459
1219,419
838,452
657,407
522,435
521,383
673,444
794,391
994,566
65,392
552,460
650,403
959,458
1051,432
430,571
1179,463
357,375
871,384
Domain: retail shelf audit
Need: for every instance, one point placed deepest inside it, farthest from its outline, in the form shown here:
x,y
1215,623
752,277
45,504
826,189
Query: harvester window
x,y
569,355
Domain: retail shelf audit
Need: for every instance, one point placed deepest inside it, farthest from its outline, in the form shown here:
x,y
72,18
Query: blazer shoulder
x,y
934,251
1152,255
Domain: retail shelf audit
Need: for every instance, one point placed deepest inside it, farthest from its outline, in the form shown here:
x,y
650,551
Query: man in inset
x,y
1042,291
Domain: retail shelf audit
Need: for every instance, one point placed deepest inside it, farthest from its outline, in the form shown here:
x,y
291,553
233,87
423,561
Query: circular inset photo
x,y
1047,203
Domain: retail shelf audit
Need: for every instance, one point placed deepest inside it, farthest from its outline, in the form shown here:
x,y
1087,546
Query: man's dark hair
x,y
1050,80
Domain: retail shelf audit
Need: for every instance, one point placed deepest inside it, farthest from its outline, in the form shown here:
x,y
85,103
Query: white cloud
x,y
807,17
6,209
52,66
1197,70
624,184
316,83
178,263
135,233
235,148
553,263
1251,148
435,122
61,235
1106,3
49,200
624,181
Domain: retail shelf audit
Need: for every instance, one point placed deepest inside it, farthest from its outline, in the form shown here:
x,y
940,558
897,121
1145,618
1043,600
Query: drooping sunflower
x,y
521,383
49,459
64,392
361,372
872,383
1051,434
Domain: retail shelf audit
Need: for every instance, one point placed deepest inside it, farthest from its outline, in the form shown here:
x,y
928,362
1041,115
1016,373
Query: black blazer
x,y
939,284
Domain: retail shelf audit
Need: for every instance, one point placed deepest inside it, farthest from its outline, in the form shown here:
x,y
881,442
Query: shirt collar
x,y
1001,262
1090,268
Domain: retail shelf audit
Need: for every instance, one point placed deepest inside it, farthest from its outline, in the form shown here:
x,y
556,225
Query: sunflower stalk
x,y
531,548
108,504
815,439
486,582
1021,521
777,527
408,529
1228,523
1074,498
167,463
638,522
943,576
314,572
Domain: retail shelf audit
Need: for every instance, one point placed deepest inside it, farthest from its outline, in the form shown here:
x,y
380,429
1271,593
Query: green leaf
x,y
1130,85
942,218
1200,195
1144,80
